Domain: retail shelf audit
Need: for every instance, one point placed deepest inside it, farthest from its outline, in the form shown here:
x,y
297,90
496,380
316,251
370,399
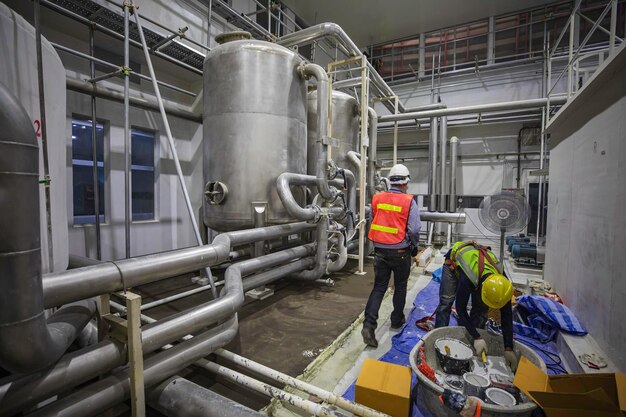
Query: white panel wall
x,y
586,226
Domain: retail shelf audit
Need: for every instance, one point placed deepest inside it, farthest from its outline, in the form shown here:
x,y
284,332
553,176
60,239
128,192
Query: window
x,y
142,174
82,169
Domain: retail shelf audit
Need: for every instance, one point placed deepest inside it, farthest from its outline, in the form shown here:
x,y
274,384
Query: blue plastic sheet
x,y
424,305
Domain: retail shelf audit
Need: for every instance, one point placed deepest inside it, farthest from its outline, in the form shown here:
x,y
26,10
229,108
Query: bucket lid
x,y
499,396
457,349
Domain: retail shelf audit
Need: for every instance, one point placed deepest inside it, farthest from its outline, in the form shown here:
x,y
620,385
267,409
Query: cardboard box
x,y
575,395
384,387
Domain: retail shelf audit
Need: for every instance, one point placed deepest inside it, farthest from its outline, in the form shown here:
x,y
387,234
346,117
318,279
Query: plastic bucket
x,y
454,356
475,385
499,396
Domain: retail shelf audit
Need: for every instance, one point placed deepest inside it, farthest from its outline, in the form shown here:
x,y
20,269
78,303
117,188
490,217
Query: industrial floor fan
x,y
505,213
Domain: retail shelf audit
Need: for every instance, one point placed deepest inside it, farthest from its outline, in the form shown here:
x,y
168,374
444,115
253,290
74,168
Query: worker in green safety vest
x,y
473,271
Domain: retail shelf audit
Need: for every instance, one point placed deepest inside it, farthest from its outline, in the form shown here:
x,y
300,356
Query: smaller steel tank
x,y
344,128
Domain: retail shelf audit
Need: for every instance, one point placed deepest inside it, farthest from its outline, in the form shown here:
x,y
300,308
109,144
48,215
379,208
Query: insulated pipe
x,y
142,102
107,392
77,284
479,108
452,203
27,342
432,156
335,32
178,397
326,396
372,151
312,70
443,183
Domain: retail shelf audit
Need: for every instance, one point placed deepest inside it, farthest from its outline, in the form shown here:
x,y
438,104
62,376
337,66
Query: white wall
x,y
586,222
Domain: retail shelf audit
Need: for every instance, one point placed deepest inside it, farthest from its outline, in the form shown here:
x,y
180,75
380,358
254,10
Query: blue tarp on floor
x,y
424,305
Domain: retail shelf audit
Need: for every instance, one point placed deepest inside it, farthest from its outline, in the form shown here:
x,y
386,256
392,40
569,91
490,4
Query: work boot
x,y
396,326
369,338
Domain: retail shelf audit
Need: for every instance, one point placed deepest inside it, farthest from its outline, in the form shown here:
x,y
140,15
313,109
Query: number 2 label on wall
x,y
38,128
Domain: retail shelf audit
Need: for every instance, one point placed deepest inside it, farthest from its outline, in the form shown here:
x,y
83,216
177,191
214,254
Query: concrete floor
x,y
286,331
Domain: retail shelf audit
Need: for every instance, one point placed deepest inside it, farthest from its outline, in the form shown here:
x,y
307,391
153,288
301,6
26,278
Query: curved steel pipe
x,y
27,341
105,393
76,284
342,255
313,70
335,32
321,250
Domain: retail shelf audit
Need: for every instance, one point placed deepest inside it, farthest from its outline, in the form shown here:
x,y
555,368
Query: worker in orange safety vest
x,y
395,232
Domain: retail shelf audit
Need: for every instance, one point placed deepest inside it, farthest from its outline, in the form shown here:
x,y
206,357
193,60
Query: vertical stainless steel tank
x,y
254,130
345,128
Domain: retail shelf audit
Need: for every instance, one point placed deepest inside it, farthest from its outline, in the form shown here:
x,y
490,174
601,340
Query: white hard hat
x,y
399,174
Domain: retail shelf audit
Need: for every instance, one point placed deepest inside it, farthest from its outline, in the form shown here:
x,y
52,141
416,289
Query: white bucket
x,y
499,396
475,385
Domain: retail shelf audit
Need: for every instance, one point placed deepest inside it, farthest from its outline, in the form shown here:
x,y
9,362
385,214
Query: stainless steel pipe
x,y
27,341
77,284
107,392
336,33
454,143
436,216
179,397
443,183
142,102
372,152
479,108
312,70
432,157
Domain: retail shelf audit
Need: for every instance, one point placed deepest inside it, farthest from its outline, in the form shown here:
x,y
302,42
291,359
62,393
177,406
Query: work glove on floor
x,y
511,359
480,346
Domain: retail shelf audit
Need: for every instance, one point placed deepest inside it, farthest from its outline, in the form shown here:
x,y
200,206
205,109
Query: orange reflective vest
x,y
391,212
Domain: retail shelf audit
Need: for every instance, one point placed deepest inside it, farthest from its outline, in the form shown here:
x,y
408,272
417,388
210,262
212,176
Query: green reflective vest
x,y
467,257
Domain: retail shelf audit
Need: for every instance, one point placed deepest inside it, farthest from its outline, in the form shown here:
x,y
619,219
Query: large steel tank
x,y
254,130
344,128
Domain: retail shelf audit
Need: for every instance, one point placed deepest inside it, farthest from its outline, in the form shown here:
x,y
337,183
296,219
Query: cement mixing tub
x,y
430,391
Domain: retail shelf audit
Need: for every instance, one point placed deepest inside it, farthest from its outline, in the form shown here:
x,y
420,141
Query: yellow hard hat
x,y
497,291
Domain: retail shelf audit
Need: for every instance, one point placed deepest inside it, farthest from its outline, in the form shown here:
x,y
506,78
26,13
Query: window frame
x,y
156,171
90,220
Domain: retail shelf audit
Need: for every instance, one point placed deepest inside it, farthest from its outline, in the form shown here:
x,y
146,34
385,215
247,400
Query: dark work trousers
x,y
386,262
447,293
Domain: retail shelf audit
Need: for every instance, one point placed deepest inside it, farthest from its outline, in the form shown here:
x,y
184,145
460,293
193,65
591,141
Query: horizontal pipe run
x,y
179,397
268,277
479,108
107,392
77,284
308,406
231,298
178,296
326,396
146,103
110,65
424,107
19,392
435,216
